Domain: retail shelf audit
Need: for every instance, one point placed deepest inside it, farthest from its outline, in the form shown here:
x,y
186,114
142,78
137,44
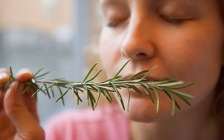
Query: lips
x,y
146,74
134,93
146,78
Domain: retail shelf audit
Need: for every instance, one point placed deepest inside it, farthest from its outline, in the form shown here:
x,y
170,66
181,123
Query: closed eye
x,y
116,22
174,20
112,24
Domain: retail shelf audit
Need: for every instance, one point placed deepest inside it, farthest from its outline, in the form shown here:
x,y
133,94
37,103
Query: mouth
x,y
143,77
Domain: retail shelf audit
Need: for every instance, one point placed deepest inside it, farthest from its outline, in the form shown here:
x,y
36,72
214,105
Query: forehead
x,y
111,2
205,5
106,2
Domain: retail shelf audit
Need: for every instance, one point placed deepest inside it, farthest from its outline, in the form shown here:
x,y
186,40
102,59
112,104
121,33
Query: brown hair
x,y
219,99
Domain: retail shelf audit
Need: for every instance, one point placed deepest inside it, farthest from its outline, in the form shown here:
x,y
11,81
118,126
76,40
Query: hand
x,y
18,112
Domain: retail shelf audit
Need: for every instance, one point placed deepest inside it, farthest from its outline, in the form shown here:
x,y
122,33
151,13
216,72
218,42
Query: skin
x,y
18,112
185,40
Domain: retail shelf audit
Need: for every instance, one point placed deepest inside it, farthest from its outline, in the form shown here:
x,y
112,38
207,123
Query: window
x,y
45,33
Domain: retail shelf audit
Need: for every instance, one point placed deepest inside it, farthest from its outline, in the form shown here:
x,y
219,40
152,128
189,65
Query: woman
x,y
183,38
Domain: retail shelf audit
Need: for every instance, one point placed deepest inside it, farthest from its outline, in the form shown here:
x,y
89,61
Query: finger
x,y
17,111
19,98
4,77
24,75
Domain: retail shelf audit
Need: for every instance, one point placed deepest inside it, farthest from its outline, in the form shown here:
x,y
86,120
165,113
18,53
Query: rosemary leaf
x,y
137,74
95,76
38,72
121,69
135,88
143,78
157,99
145,88
112,85
98,98
89,72
119,95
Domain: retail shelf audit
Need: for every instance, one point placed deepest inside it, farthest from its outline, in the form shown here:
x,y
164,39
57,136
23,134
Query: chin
x,y
141,109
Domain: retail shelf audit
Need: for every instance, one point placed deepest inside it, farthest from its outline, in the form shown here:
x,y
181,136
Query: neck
x,y
195,124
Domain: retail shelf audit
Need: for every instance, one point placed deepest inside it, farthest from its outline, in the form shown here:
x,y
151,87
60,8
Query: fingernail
x,y
24,75
3,75
27,71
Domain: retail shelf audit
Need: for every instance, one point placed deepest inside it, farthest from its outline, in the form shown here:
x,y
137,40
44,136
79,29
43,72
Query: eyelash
x,y
170,20
112,24
174,21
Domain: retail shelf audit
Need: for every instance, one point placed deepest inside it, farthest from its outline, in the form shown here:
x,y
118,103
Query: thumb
x,y
25,120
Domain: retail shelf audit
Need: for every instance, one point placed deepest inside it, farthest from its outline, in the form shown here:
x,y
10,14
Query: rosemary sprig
x,y
88,86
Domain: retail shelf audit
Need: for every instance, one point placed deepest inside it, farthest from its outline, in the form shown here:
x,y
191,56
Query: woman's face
x,y
183,38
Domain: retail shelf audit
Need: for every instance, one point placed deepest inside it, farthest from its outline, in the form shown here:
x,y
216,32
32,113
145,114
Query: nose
x,y
137,43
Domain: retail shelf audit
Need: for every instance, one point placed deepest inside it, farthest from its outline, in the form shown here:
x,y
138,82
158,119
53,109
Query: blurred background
x,y
52,34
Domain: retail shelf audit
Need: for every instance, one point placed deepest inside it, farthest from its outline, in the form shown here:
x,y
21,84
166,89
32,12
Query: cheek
x,y
110,55
106,52
198,60
193,51
193,56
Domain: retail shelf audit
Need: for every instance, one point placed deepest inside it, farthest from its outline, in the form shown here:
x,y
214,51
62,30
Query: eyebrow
x,y
112,3
192,3
167,1
109,1
119,5
183,5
